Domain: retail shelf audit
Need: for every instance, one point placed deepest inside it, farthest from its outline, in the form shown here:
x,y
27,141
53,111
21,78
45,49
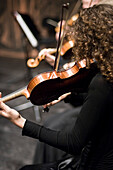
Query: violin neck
x,y
14,95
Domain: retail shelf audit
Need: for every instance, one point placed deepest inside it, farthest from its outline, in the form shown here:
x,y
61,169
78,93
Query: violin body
x,y
50,86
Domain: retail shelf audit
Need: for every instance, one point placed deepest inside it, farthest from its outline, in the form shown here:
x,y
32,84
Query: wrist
x,y
20,121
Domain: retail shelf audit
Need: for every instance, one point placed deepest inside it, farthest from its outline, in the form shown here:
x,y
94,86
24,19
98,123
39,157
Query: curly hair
x,y
93,35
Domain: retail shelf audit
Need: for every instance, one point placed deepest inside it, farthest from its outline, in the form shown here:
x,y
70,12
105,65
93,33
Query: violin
x,y
49,86
41,56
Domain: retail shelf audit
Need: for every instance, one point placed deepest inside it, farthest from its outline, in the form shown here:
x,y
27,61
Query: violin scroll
x,y
32,63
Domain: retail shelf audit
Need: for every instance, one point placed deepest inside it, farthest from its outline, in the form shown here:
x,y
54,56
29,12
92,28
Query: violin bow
x,y
60,40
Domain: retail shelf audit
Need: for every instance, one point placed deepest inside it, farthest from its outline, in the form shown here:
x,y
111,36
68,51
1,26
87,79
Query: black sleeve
x,y
90,114
75,99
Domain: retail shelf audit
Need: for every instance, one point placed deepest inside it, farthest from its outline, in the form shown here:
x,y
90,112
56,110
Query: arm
x,y
87,122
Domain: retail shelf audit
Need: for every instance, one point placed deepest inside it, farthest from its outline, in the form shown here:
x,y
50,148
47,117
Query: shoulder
x,y
100,84
98,79
100,90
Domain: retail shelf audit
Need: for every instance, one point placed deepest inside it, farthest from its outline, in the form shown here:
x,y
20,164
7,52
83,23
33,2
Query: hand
x,y
50,59
89,3
11,114
46,54
57,101
57,29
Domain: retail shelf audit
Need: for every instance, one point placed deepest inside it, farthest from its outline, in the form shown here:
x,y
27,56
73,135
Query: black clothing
x,y
65,120
91,135
65,164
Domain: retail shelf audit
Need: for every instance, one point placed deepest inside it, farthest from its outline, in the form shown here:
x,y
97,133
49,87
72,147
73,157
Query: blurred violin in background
x,y
32,63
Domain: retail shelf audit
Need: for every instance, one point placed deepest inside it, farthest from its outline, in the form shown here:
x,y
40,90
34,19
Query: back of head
x,y
93,35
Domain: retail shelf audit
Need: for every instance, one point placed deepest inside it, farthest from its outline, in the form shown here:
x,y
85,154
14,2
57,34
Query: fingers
x,y
50,104
46,105
4,110
50,59
4,107
42,52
